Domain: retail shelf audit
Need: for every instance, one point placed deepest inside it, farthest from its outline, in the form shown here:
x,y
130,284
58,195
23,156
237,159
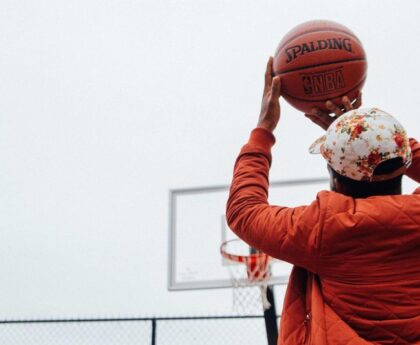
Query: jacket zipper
x,y
306,326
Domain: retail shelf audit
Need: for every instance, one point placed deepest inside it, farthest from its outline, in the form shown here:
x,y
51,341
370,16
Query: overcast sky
x,y
107,105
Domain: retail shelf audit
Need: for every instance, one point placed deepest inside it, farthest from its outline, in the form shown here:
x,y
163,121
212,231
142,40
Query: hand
x,y
323,119
270,106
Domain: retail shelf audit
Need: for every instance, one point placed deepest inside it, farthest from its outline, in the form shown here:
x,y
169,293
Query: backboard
x,y
197,228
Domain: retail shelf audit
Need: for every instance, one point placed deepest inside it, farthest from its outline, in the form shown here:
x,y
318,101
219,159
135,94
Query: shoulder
x,y
332,203
367,231
341,211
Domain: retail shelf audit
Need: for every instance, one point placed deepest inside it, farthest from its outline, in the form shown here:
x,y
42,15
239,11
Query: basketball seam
x,y
319,30
317,65
327,99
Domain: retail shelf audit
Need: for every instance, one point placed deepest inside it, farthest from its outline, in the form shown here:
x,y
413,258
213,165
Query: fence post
x,y
270,318
153,331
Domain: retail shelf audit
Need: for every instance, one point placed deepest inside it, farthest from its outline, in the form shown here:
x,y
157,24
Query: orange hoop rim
x,y
246,259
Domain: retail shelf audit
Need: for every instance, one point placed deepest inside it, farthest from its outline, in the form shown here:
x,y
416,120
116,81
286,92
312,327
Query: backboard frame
x,y
174,194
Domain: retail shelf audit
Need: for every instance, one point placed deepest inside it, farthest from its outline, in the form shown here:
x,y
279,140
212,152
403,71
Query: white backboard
x,y
197,228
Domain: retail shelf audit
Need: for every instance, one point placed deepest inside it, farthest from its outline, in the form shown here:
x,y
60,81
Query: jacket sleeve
x,y
414,169
289,234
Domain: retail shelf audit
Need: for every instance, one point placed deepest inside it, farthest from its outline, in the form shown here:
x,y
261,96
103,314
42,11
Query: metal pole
x,y
270,318
154,332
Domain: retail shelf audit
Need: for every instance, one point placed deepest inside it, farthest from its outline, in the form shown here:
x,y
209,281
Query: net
x,y
249,271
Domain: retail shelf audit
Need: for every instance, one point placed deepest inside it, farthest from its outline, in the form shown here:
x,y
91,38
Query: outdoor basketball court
x,y
120,123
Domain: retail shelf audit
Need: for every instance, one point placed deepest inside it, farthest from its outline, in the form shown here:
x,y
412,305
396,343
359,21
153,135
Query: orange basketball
x,y
318,61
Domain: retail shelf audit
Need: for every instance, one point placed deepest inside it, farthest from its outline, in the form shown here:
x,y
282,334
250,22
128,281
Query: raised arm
x,y
285,233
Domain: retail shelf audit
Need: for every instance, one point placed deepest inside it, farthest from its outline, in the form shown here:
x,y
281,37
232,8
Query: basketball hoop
x,y
249,271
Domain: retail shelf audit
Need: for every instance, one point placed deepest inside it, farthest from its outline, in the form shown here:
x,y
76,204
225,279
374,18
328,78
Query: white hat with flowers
x,y
359,140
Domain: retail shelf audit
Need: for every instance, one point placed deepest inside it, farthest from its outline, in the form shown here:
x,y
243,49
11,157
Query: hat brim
x,y
316,147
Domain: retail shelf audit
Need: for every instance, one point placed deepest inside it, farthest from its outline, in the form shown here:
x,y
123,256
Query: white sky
x,y
107,105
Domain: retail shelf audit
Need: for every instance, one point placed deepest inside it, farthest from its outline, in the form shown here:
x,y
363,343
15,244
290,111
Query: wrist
x,y
267,126
262,137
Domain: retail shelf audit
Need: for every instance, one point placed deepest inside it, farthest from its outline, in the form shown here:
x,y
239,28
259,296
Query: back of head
x,y
364,189
367,151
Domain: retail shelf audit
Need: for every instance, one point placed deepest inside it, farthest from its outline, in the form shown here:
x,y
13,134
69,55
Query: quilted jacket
x,y
356,275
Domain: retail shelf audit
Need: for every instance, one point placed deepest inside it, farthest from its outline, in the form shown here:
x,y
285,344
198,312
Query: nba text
x,y
323,82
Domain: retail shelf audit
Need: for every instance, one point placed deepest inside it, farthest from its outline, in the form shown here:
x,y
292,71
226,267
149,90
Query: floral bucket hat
x,y
359,140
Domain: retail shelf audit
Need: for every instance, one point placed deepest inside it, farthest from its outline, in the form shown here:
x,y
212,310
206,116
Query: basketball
x,y
317,61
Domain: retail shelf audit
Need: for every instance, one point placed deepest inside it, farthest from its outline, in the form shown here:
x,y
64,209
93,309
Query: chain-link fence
x,y
208,330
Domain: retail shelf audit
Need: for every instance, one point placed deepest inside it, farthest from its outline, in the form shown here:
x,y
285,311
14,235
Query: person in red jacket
x,y
356,248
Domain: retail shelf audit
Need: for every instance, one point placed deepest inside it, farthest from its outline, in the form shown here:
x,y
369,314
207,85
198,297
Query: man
x,y
356,249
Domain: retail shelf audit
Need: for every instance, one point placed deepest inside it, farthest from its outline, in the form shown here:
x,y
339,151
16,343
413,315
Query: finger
x,y
358,102
276,88
268,74
318,112
347,103
317,117
324,119
333,108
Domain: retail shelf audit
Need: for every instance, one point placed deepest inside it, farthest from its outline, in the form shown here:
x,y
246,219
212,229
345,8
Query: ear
x,y
336,186
334,183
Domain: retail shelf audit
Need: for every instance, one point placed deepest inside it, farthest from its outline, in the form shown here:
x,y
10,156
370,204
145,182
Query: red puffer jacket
x,y
356,278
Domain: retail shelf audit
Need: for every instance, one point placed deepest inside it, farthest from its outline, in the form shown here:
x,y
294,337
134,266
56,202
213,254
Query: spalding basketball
x,y
318,61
